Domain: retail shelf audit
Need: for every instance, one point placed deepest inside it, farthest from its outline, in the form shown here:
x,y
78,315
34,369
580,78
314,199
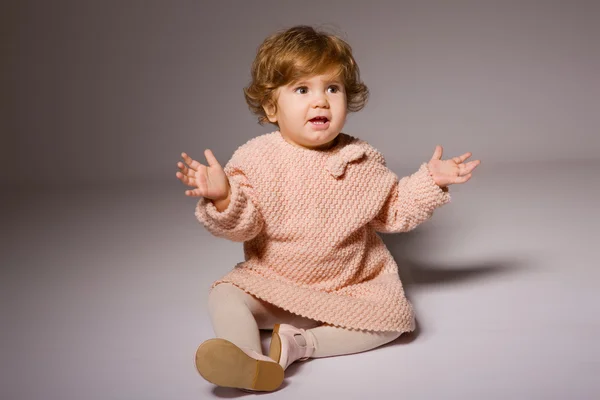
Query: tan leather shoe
x,y
223,363
285,349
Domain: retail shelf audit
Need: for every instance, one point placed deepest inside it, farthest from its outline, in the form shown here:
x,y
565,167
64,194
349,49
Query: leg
x,y
334,341
290,344
231,314
234,358
237,316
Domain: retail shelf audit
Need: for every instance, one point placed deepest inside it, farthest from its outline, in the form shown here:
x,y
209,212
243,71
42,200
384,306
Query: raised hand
x,y
208,181
454,170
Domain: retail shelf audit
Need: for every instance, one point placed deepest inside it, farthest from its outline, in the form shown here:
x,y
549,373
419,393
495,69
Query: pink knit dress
x,y
309,221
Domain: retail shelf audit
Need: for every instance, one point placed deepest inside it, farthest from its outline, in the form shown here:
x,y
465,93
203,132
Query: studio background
x,y
105,271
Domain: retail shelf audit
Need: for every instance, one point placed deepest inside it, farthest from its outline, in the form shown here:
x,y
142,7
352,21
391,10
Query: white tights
x,y
237,316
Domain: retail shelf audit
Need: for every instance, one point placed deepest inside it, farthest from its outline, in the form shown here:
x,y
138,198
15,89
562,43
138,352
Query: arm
x,y
410,202
236,218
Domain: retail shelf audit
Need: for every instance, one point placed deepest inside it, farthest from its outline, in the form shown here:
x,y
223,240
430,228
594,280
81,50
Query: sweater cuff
x,y
425,191
207,213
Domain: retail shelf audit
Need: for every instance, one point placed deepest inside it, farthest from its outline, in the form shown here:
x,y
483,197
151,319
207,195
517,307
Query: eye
x,y
301,90
334,88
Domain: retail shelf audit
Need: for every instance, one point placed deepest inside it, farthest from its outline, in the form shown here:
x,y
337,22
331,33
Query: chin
x,y
319,143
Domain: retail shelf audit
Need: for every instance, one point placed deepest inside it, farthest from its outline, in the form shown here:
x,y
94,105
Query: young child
x,y
307,202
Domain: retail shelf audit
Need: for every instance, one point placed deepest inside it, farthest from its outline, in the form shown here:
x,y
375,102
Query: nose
x,y
321,101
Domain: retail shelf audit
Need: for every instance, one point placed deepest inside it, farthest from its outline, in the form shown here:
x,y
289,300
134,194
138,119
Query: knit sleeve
x,y
241,220
411,201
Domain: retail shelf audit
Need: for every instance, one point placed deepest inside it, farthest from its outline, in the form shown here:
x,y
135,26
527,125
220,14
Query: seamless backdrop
x,y
105,91
104,271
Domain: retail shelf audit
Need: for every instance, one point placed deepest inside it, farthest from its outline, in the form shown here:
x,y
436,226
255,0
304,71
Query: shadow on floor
x,y
406,249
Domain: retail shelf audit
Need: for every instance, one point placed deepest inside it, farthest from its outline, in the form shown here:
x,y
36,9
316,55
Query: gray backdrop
x,y
105,272
110,91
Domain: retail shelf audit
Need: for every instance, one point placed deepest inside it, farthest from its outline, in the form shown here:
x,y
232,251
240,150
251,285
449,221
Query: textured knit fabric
x,y
309,221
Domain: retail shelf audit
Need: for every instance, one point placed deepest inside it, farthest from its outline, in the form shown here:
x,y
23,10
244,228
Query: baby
x,y
307,201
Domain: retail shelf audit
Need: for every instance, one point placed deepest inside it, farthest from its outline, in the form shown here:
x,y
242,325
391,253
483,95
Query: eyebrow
x,y
333,80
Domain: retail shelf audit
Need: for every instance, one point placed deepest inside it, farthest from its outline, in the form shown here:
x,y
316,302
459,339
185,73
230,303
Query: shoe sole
x,y
224,364
275,346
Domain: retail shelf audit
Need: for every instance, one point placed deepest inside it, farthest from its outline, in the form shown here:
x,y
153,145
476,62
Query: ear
x,y
270,111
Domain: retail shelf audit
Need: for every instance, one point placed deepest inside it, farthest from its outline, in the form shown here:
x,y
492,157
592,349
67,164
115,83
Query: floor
x,y
104,289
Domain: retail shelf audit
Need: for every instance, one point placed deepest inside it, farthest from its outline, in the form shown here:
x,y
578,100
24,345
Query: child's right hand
x,y
208,181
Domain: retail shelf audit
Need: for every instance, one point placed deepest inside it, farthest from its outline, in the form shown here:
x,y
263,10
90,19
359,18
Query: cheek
x,y
297,112
342,108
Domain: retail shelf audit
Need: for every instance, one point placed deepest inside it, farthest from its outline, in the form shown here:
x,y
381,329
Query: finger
x,y
186,158
193,193
463,157
186,179
189,161
472,165
210,157
437,154
468,167
460,159
462,179
183,168
192,173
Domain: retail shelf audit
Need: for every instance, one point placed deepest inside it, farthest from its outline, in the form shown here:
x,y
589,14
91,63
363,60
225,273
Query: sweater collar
x,y
337,157
336,164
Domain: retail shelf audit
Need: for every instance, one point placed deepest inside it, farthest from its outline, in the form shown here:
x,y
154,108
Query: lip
x,y
327,117
320,127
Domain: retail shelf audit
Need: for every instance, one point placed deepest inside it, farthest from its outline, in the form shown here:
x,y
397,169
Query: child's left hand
x,y
448,172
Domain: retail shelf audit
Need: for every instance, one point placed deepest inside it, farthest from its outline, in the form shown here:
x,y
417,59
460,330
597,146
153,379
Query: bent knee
x,y
391,336
224,291
228,293
387,337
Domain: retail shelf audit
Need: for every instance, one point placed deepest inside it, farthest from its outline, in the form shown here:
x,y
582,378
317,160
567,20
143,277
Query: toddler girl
x,y
307,202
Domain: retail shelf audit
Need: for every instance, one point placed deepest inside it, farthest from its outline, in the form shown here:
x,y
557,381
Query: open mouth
x,y
319,120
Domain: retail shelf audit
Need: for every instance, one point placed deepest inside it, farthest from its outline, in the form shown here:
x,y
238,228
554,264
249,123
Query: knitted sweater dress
x,y
308,220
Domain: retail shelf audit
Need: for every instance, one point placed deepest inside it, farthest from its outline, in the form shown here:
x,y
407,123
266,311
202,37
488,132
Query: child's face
x,y
299,103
